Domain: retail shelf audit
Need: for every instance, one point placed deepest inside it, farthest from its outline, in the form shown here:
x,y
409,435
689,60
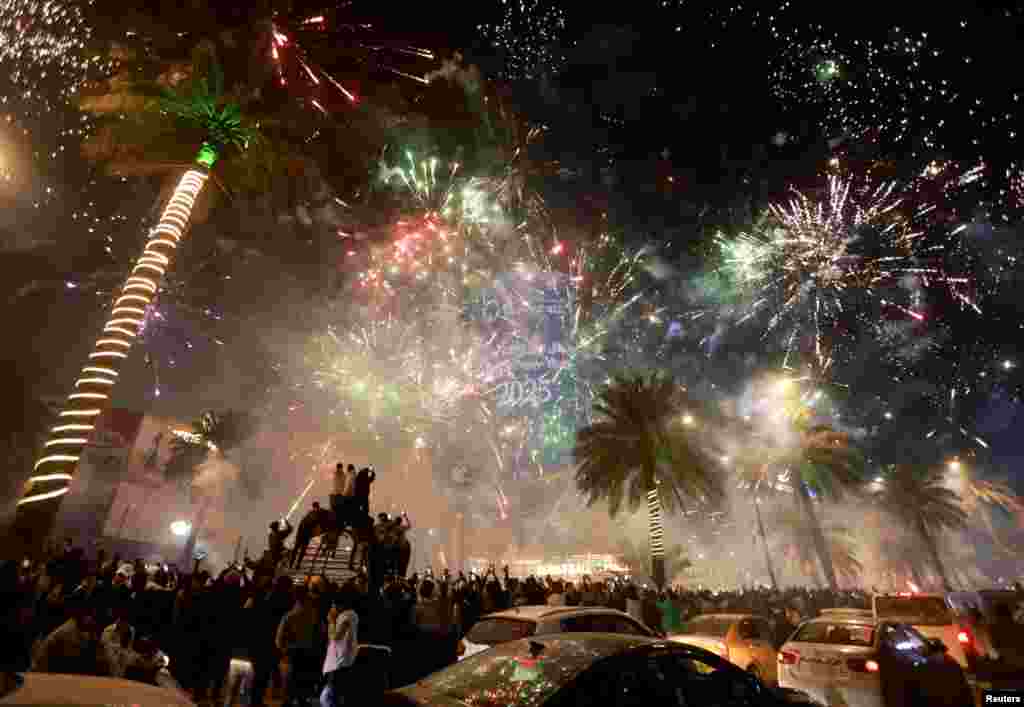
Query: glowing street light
x,y
181,528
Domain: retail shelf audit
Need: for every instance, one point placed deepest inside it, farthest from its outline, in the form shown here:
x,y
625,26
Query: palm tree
x,y
635,558
640,449
823,466
201,105
916,494
212,433
757,479
791,530
981,499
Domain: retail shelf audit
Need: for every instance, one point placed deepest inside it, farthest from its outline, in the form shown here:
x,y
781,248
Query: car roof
x,y
540,612
910,595
858,619
601,645
61,689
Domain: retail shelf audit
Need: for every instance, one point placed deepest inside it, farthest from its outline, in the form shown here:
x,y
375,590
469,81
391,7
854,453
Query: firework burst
x,y
815,268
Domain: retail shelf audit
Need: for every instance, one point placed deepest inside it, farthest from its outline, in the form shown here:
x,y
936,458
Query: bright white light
x,y
954,465
888,415
879,479
687,419
181,528
1007,365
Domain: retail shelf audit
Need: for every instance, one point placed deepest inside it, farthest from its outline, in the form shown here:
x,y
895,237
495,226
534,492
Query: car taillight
x,y
862,665
789,657
964,638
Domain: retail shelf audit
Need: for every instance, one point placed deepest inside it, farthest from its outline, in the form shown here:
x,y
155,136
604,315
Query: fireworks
x,y
43,53
475,301
292,47
530,37
813,267
44,65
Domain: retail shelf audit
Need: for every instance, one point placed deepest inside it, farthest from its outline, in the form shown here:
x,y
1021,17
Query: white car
x,y
525,621
59,689
852,660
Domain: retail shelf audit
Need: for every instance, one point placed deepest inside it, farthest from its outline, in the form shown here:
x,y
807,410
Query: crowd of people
x,y
307,639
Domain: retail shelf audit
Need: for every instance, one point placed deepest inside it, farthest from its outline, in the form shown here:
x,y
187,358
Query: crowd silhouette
x,y
251,632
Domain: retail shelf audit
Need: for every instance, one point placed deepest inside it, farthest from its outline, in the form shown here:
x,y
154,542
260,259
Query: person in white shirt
x,y
342,649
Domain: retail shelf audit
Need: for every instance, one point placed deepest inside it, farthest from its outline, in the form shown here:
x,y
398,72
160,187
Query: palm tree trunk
x,y
53,472
656,538
188,555
933,551
764,544
820,546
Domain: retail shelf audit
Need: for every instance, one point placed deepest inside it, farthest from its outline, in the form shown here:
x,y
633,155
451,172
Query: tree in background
x,y
641,449
193,463
916,494
200,104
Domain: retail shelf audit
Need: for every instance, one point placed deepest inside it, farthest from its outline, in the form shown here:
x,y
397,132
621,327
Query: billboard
x,y
101,468
526,317
145,505
119,488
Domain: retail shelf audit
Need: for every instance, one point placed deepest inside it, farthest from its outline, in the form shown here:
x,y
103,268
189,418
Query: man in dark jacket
x,y
275,542
361,501
307,526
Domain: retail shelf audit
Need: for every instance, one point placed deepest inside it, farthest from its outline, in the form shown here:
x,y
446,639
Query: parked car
x,y
985,600
584,669
931,615
526,621
857,661
48,689
745,640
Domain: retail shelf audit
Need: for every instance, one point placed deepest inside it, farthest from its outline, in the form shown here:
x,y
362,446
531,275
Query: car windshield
x,y
513,675
491,632
708,626
917,611
839,634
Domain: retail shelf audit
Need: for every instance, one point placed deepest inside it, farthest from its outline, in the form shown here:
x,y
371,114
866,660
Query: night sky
x,y
677,120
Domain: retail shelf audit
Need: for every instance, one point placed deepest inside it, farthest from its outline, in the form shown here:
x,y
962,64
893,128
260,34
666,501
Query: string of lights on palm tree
x,y
821,271
201,105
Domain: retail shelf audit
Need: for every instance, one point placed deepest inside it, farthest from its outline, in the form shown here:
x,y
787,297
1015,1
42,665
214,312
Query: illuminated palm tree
x,y
917,495
640,448
201,105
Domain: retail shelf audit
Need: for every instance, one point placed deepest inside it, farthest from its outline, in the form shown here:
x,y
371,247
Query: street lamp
x,y
181,528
